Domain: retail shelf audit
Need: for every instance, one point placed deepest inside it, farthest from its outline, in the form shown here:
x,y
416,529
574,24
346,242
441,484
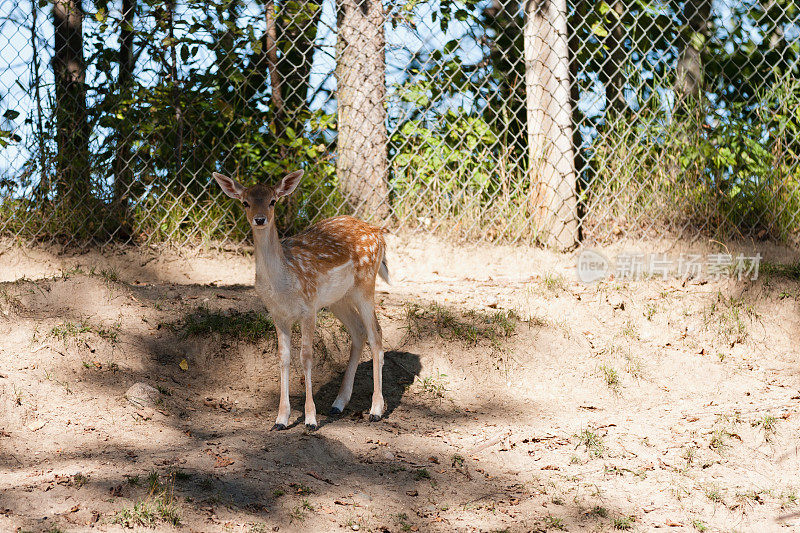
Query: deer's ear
x,y
230,186
289,183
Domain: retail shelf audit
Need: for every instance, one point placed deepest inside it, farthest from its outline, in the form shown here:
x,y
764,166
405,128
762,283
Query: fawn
x,y
331,264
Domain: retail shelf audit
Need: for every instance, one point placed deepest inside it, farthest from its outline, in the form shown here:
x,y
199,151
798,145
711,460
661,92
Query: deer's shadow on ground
x,y
400,369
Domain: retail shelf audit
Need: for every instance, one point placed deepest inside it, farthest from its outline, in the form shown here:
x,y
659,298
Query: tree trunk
x,y
552,162
689,70
271,55
73,183
43,188
297,24
362,162
123,171
613,73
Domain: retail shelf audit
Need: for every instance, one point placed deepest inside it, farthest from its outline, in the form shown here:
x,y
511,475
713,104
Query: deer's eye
x,y
245,203
272,202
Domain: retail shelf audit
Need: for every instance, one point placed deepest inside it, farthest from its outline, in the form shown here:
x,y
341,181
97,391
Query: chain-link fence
x,y
541,121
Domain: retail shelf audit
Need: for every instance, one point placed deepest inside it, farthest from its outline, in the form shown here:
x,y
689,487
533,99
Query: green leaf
x,y
10,114
598,29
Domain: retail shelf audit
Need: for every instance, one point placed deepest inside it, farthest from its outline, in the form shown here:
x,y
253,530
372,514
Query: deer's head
x,y
259,200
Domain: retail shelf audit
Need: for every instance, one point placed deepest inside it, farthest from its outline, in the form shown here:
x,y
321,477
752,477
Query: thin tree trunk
x,y
176,101
552,162
123,171
43,187
362,162
271,51
612,72
297,24
689,70
73,183
584,173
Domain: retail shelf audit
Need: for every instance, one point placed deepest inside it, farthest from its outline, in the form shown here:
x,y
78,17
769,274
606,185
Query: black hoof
x,y
278,427
374,418
311,427
334,411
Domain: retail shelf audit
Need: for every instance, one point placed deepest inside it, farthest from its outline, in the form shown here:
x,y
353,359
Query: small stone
x,y
142,395
36,426
355,527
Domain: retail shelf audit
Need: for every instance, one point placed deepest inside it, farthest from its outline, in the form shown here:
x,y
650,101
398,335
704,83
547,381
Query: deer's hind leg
x,y
366,308
347,313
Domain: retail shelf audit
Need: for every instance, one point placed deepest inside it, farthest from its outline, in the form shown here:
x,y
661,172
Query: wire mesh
x,y
542,121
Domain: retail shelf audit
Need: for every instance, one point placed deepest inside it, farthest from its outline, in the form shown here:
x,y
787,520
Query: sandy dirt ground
x,y
518,398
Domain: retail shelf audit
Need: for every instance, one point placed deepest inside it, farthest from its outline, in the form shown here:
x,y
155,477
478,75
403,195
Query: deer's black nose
x,y
259,221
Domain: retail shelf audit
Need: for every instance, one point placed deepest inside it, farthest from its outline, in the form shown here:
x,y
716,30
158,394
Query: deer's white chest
x,y
280,297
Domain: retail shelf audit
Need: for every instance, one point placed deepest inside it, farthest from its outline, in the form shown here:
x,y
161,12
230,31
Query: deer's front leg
x,y
285,354
307,359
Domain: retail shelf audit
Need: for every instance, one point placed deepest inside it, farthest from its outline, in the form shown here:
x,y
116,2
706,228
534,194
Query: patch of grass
x,y
714,494
630,330
602,512
158,506
402,519
421,473
300,488
623,522
592,442
259,527
71,330
472,327
785,270
788,498
458,460
435,385
277,493
79,479
688,455
650,311
249,326
728,315
153,481
699,525
110,275
719,439
68,330
299,511
181,475
633,365
610,376
552,522
768,424
751,495
554,282
66,274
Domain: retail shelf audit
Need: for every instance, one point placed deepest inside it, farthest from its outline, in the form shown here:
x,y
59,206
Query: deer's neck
x,y
272,271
